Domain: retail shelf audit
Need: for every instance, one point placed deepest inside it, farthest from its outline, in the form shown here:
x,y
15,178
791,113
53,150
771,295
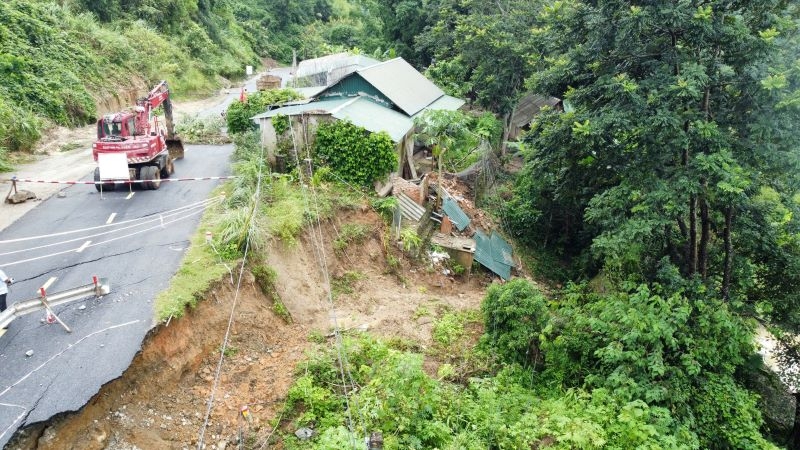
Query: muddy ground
x,y
162,400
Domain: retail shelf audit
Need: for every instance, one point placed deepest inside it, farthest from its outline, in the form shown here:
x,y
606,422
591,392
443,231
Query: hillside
x,y
161,400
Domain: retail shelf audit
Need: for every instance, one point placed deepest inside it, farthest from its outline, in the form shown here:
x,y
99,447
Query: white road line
x,y
49,282
83,247
111,218
129,196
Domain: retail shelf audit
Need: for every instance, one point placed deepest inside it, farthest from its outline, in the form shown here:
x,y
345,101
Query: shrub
x,y
357,156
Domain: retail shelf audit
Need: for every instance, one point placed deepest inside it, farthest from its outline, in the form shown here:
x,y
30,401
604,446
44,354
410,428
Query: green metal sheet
x,y
485,254
292,110
456,215
374,118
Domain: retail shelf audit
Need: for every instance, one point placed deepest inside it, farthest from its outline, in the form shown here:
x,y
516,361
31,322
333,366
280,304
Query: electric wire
x,y
322,260
62,233
50,255
159,218
224,346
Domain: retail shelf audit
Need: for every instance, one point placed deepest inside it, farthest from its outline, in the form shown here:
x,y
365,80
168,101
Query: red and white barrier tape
x,y
25,180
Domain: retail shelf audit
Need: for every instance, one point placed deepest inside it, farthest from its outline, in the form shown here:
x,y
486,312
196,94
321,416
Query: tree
x,y
675,124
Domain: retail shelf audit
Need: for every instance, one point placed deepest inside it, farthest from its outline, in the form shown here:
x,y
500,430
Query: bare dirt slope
x,y
161,401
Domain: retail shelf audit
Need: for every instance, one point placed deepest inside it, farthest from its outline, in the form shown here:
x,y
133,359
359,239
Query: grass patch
x,y
68,147
266,278
351,233
345,284
199,269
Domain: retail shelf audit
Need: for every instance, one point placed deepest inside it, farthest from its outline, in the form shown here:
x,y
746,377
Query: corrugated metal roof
x,y
324,106
402,84
331,62
374,117
455,213
530,105
409,208
358,110
489,251
483,254
501,250
444,102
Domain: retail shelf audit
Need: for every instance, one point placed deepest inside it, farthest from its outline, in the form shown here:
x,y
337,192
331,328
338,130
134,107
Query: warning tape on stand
x,y
26,180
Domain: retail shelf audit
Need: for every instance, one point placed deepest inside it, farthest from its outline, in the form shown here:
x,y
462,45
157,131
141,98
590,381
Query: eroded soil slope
x,y
161,401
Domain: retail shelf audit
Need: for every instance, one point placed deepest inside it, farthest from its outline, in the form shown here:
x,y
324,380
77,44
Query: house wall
x,y
303,129
355,85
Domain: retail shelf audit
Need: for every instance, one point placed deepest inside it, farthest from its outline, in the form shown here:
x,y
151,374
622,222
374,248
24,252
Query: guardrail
x,y
98,287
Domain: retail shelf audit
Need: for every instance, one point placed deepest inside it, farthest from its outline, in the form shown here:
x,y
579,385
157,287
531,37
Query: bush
x,y
239,114
515,314
357,156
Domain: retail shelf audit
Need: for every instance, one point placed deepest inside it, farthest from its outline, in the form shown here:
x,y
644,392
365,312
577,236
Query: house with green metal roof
x,y
382,97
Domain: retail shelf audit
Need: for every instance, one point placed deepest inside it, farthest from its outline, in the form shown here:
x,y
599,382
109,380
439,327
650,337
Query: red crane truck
x,y
150,148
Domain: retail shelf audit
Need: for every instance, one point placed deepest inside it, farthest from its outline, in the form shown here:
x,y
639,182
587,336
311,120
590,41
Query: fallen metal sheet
x,y
409,208
490,256
455,213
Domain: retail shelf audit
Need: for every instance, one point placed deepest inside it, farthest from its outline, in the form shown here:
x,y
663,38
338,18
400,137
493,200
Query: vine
x,y
280,123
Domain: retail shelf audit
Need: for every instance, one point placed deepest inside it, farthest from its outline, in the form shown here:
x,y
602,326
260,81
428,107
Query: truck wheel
x,y
169,168
105,186
152,177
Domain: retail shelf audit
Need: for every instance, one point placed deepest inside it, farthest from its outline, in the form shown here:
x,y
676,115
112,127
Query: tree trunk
x,y
794,441
506,132
691,256
705,232
728,265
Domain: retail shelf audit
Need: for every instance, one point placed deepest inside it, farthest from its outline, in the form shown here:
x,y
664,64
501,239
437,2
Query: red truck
x,y
150,147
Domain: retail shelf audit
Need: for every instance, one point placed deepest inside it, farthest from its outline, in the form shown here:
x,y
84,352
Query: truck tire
x,y
104,186
152,177
169,167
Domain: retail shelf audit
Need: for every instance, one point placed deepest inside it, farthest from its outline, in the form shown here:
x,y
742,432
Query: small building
x,y
382,97
329,69
527,108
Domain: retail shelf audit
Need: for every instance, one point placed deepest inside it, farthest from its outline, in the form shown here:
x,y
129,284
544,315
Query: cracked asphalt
x,y
66,369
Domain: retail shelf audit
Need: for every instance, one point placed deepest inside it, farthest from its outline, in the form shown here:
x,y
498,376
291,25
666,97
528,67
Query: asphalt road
x,y
66,369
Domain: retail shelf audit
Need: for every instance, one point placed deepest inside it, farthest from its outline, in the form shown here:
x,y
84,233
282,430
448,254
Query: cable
x,y
159,218
43,236
161,225
223,348
318,241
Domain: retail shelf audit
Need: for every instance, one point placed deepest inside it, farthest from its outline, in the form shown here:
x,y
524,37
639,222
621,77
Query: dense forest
x,y
661,202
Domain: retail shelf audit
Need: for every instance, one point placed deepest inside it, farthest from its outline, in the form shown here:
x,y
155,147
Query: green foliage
x,y
201,130
456,137
357,156
345,283
281,124
515,314
266,279
413,410
239,114
386,207
668,349
350,233
412,242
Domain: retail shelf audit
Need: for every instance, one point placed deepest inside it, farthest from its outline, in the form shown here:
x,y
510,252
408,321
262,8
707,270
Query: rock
x,y
304,433
778,405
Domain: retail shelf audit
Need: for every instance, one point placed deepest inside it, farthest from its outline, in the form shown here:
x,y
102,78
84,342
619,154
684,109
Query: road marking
x,y
49,282
129,196
111,218
83,247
